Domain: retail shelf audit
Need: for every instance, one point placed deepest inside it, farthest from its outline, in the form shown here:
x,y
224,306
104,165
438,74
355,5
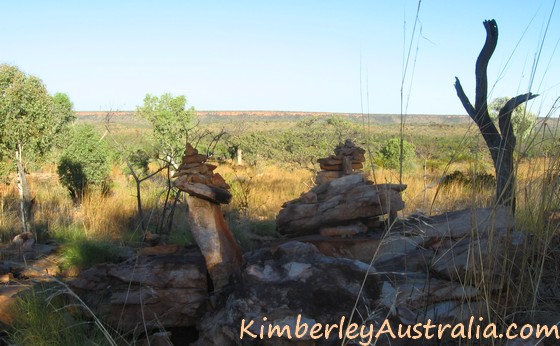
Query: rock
x,y
479,258
340,201
457,224
197,158
218,181
326,176
5,278
351,229
339,167
160,290
210,193
24,241
197,178
190,151
215,240
211,167
331,160
42,269
281,283
185,166
409,298
395,246
446,268
8,297
348,159
348,148
201,169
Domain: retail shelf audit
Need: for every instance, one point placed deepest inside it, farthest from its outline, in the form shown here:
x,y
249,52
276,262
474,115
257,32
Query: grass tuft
x,y
83,254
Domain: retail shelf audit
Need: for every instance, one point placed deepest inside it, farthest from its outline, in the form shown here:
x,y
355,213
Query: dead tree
x,y
500,143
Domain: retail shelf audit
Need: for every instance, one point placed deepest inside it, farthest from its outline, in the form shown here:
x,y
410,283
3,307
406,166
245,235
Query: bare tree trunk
x,y
24,195
239,157
500,143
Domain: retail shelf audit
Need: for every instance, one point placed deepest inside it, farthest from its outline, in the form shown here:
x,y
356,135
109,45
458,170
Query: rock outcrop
x,y
164,286
446,269
279,284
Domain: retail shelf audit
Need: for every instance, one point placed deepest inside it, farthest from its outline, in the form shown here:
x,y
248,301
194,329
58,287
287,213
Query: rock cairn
x,y
344,202
347,159
207,190
197,178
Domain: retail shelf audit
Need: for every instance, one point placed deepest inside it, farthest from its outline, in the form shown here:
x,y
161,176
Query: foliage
x,y
479,180
63,109
31,121
171,122
29,116
301,144
139,159
84,163
522,120
390,154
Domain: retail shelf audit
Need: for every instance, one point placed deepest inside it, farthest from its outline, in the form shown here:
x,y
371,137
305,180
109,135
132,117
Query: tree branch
x,y
479,113
482,65
504,117
464,99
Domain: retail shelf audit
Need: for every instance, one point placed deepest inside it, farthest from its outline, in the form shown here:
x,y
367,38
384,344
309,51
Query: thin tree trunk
x,y
239,157
24,195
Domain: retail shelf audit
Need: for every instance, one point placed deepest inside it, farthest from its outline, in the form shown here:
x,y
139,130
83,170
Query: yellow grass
x,y
258,194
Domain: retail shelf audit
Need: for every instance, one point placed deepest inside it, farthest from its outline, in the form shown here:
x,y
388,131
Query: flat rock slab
x,y
457,224
207,192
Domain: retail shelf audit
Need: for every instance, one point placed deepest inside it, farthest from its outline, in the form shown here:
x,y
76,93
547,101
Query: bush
x,y
390,154
480,180
139,160
85,162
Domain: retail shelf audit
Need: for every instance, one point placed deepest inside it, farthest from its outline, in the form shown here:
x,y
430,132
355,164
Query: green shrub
x,y
84,163
390,154
480,180
139,159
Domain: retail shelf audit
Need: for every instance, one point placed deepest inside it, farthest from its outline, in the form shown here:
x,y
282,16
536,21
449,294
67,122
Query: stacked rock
x,y
197,178
343,202
207,190
348,159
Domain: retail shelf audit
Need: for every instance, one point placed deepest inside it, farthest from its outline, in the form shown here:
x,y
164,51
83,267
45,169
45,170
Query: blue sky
x,y
332,56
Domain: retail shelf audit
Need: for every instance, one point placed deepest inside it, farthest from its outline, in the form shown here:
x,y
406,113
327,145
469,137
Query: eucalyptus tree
x,y
172,121
31,121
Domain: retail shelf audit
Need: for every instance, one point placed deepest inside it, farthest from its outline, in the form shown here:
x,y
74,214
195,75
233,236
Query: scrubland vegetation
x,y
107,184
445,166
